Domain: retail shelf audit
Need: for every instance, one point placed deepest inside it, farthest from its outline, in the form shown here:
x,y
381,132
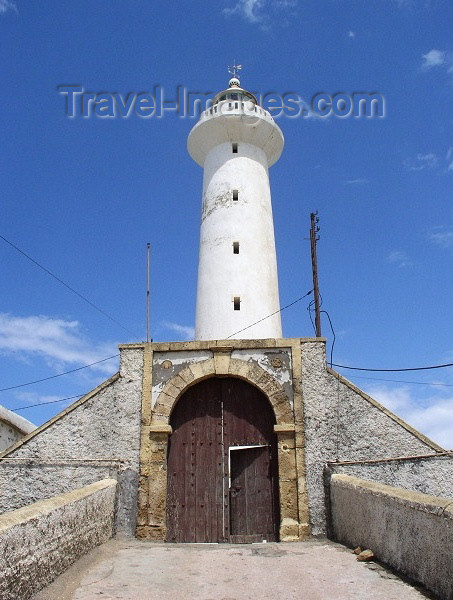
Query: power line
x,y
271,315
333,333
357,376
394,370
13,387
35,262
42,403
403,381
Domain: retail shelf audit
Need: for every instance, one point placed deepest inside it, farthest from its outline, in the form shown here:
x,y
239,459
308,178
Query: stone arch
x,y
210,419
153,469
223,364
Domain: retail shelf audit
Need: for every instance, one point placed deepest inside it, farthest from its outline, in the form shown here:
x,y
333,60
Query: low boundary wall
x,y
429,474
25,481
40,541
410,531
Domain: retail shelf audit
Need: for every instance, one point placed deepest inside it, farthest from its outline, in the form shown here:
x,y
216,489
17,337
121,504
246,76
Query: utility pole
x,y
148,252
314,237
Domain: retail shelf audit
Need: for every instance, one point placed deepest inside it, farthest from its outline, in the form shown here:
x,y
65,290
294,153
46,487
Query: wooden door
x,y
250,519
222,437
195,511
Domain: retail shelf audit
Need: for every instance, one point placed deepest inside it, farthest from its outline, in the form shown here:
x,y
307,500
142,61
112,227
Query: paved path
x,y
313,570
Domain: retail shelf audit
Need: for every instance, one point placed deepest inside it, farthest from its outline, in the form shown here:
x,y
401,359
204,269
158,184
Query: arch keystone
x,y
222,363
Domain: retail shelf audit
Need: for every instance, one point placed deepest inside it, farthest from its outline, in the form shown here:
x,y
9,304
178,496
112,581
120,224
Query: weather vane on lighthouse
x,y
234,70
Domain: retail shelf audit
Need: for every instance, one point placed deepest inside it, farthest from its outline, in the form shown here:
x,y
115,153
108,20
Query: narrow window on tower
x,y
235,148
235,247
237,303
235,195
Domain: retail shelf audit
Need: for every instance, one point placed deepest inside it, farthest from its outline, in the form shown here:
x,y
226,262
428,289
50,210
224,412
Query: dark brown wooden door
x,y
222,465
250,471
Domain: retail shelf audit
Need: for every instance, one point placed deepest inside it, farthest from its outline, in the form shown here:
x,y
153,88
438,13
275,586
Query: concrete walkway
x,y
313,570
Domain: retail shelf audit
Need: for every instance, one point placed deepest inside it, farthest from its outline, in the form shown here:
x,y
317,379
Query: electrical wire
x,y
271,315
333,334
42,403
13,387
35,262
403,381
357,376
310,310
394,370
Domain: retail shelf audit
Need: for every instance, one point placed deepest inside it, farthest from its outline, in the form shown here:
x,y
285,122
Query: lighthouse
x,y
235,141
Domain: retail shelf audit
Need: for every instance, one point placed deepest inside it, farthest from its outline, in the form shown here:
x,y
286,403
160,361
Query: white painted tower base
x,y
236,141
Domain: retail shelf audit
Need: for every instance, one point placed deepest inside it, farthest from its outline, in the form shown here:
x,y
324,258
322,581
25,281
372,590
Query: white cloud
x,y
58,341
432,416
250,10
399,258
259,12
437,58
358,181
449,159
441,237
351,34
415,4
421,161
433,58
428,161
6,5
183,331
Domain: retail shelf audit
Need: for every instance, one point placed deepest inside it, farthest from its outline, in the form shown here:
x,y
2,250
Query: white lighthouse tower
x,y
236,141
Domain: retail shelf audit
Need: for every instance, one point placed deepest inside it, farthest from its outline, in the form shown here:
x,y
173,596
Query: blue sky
x,y
83,196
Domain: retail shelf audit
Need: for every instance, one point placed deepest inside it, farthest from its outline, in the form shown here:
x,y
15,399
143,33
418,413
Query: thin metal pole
x,y
148,252
314,263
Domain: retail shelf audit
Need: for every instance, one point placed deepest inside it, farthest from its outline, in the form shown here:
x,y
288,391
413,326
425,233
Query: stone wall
x,y
342,423
410,531
121,429
425,474
23,482
97,436
40,541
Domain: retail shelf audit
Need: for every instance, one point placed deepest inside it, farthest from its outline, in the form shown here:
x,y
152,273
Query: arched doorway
x,y
222,465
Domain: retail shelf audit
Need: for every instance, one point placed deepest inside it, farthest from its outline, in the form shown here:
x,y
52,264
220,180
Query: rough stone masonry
x,y
121,430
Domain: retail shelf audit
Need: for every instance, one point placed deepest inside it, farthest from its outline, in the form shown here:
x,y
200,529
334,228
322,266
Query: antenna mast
x,y
314,237
148,247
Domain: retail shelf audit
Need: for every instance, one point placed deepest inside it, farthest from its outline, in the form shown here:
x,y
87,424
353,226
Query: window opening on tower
x,y
237,303
235,195
235,148
235,247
